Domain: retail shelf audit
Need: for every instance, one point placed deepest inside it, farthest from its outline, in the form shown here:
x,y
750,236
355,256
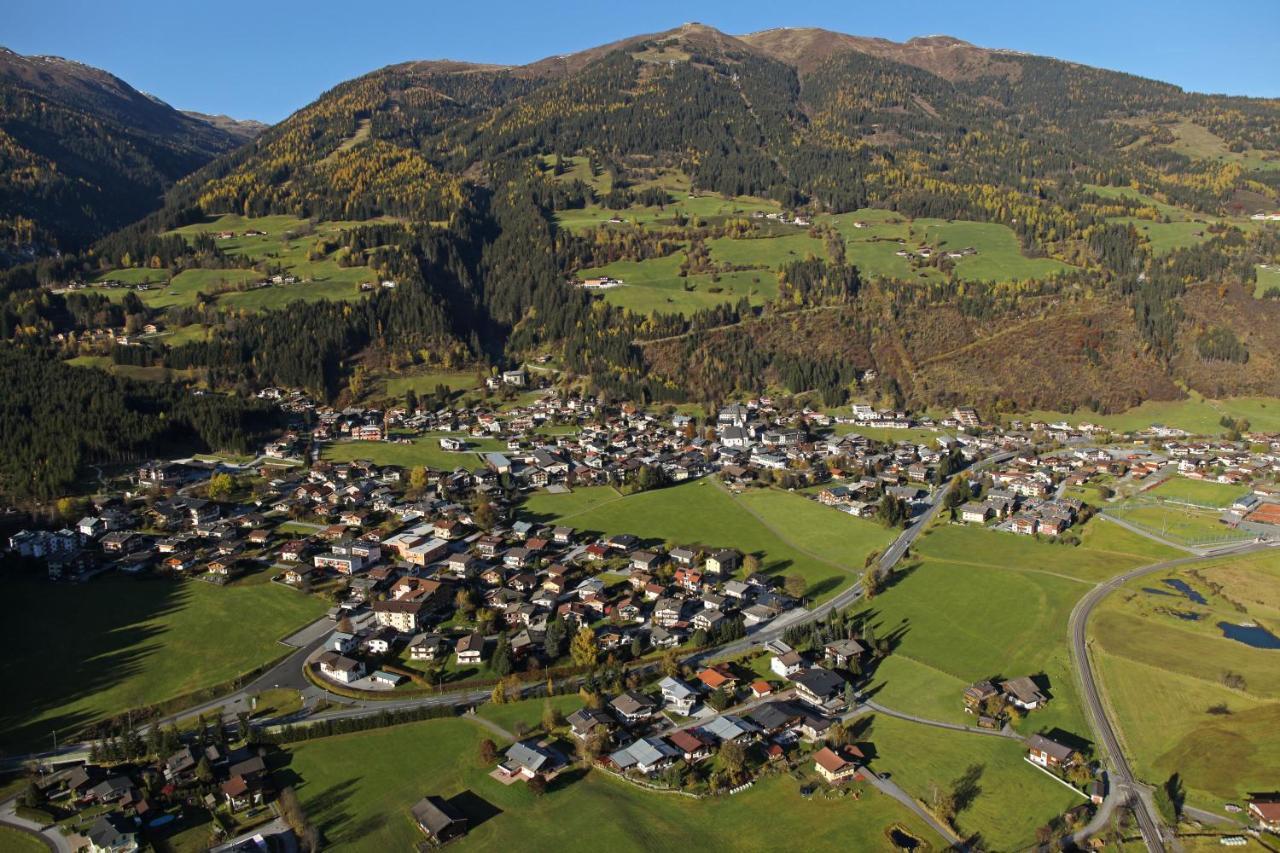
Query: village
x,y
698,671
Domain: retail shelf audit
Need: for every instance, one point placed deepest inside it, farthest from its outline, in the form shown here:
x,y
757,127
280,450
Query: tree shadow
x,y
107,632
966,789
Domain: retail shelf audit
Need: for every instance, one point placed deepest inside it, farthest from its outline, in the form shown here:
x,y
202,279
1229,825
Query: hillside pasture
x,y
359,789
125,643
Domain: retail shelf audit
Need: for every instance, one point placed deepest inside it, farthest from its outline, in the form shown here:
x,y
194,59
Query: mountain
x,y
977,225
82,152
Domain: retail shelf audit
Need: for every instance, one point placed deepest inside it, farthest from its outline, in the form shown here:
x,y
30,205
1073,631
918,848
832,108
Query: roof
x,y
819,681
1050,747
831,761
434,814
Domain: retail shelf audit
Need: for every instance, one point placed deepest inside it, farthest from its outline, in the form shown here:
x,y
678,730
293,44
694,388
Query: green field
x,y
1268,277
981,604
286,245
1164,237
16,841
425,382
1196,414
1197,141
359,788
704,207
1162,674
999,256
655,285
155,373
1200,492
1013,798
703,513
424,450
114,644
529,711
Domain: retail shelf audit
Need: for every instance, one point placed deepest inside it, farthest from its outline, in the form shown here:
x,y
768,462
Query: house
x,y
723,562
585,722
1024,693
684,556
717,677
1049,753
842,652
632,707
730,727
525,759
677,696
340,667
760,689
976,513
440,821
648,755
978,694
693,745
786,664
112,833
819,687
427,647
1266,811
837,766
645,561
470,649
242,791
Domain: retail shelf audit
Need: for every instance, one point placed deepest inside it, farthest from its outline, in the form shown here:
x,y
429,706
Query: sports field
x,y
1178,523
124,643
1186,699
359,789
1200,492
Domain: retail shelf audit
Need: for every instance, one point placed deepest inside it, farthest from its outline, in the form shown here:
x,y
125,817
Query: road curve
x,y
1154,833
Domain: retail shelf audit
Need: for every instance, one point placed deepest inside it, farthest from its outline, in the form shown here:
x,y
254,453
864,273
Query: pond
x,y
1251,635
1184,588
902,839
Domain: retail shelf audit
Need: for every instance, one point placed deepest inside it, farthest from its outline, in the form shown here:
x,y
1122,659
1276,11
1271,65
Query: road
x,y
1125,787
50,835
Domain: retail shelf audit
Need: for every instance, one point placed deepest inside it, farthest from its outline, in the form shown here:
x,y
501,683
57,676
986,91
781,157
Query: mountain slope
x,y
1097,203
83,153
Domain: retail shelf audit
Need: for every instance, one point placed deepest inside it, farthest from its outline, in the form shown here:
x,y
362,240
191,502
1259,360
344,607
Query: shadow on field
x,y
102,639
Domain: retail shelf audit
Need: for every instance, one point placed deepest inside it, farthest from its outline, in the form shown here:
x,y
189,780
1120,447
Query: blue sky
x,y
263,60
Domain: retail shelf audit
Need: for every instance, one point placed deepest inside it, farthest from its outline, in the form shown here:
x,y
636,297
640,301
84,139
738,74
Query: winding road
x,y
1125,787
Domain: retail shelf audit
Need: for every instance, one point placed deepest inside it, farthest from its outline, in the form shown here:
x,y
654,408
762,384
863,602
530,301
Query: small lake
x,y
1182,587
1254,636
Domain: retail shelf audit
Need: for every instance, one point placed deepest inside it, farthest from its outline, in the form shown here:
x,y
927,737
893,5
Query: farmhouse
x,y
1024,693
1266,812
440,821
1049,753
837,766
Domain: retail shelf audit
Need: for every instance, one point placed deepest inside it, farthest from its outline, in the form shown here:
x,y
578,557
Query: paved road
x,y
891,789
868,706
52,838
1125,786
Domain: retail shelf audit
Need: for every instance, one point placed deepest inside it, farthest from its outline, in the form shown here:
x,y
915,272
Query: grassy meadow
x,y
1010,799
423,450
124,643
1186,699
791,534
359,789
975,604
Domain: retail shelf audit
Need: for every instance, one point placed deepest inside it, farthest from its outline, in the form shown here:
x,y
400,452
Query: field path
x,y
485,723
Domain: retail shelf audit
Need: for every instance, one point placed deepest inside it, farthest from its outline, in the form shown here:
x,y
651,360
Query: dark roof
x,y
819,681
434,814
